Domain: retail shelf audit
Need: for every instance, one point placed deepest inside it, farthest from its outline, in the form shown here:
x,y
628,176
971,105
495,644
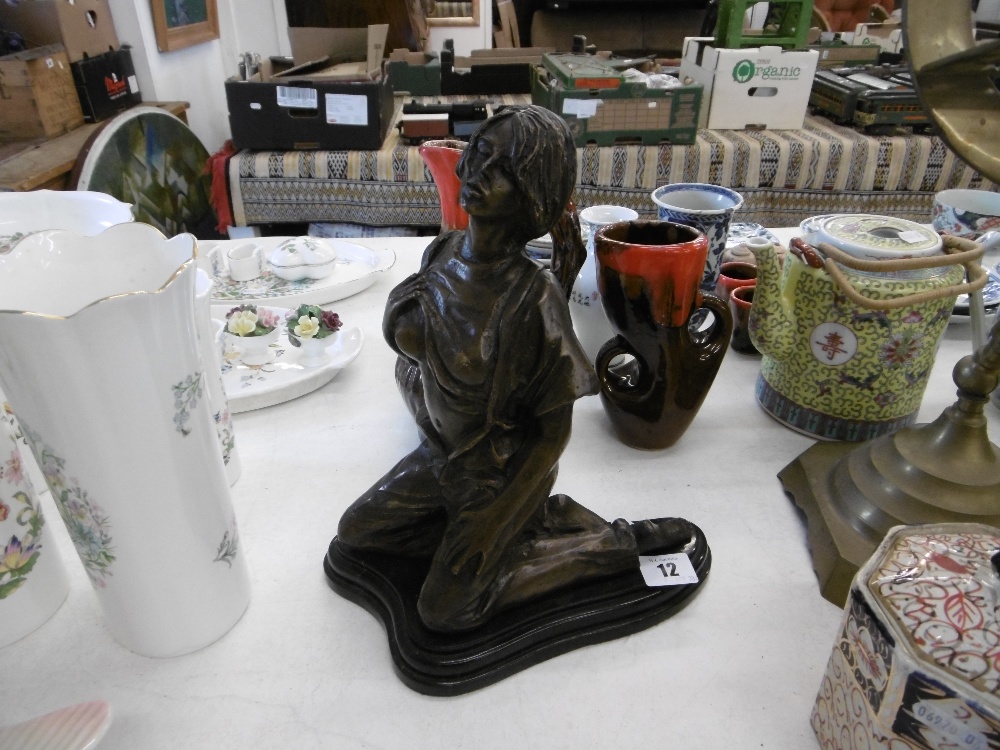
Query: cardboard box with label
x,y
82,27
885,36
37,96
764,87
334,98
106,84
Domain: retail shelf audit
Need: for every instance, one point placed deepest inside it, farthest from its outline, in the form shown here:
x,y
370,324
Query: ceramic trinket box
x,y
917,661
302,258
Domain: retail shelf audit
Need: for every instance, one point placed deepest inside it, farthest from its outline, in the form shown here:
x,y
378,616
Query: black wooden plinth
x,y
454,663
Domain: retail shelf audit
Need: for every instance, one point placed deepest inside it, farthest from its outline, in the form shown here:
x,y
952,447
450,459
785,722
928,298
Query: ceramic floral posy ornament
x,y
252,330
311,322
249,320
311,328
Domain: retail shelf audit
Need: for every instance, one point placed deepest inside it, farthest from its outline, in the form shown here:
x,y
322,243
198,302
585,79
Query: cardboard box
x,y
37,96
106,84
416,73
83,27
886,36
845,55
497,71
335,97
765,87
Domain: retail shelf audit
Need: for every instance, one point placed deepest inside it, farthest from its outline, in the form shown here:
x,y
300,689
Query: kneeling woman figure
x,y
490,367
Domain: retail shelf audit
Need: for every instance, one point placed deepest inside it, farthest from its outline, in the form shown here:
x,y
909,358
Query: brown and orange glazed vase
x,y
657,370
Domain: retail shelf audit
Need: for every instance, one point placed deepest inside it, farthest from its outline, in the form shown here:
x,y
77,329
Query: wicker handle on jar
x,y
958,251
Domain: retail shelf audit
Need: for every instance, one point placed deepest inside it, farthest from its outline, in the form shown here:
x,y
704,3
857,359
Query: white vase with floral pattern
x,y
102,365
84,211
33,582
213,377
585,307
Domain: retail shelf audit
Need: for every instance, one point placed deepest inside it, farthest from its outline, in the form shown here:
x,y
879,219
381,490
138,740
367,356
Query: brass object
x,y
947,470
954,78
944,471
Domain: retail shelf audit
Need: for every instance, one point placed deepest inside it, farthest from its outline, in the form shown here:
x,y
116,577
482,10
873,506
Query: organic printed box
x,y
763,87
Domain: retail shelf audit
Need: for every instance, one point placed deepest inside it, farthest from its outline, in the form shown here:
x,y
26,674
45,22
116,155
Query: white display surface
x,y
737,669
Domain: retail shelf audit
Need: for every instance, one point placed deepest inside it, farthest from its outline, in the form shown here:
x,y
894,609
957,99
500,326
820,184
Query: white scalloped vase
x,y
102,364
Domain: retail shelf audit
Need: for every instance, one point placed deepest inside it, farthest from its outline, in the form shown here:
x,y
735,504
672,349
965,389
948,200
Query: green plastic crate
x,y
629,113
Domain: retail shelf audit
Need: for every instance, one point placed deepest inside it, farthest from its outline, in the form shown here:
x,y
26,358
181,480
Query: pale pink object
x,y
78,727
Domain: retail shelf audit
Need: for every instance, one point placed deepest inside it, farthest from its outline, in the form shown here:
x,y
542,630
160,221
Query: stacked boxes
x,y
103,74
37,96
83,27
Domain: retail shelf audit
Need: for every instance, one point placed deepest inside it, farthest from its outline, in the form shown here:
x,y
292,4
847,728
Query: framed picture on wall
x,y
184,23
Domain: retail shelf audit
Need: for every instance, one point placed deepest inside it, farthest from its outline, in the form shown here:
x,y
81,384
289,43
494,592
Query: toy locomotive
x,y
875,98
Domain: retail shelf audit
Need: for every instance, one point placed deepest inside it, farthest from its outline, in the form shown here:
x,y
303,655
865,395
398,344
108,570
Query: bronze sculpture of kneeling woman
x,y
490,367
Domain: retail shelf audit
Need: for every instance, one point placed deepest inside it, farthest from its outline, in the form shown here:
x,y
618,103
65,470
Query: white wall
x,y
988,10
197,74
466,38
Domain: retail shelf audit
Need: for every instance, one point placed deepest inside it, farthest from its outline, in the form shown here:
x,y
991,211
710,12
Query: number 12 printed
x,y
667,570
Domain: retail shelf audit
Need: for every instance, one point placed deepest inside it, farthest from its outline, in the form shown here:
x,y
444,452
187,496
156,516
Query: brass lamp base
x,y
944,471
947,470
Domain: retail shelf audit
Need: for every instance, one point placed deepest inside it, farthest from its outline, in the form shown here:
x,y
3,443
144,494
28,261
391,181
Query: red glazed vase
x,y
441,158
649,274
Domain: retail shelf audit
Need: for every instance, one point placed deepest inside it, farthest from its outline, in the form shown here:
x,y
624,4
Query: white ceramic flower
x,y
307,327
242,322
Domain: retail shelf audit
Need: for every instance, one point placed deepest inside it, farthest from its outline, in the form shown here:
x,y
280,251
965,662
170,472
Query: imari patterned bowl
x,y
917,661
973,214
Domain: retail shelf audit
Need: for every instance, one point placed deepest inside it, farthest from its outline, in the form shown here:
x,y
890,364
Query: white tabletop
x,y
305,668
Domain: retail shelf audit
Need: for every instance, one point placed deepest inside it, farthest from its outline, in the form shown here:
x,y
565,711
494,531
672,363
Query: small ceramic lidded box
x,y
917,661
302,258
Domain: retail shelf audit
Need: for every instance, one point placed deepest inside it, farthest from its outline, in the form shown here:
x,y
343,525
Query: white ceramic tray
x,y
283,378
357,269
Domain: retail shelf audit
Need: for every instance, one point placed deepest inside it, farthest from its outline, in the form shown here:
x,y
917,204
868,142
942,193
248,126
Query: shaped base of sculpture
x,y
447,664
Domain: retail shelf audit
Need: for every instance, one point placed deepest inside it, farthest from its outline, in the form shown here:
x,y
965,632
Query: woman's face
x,y
489,190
